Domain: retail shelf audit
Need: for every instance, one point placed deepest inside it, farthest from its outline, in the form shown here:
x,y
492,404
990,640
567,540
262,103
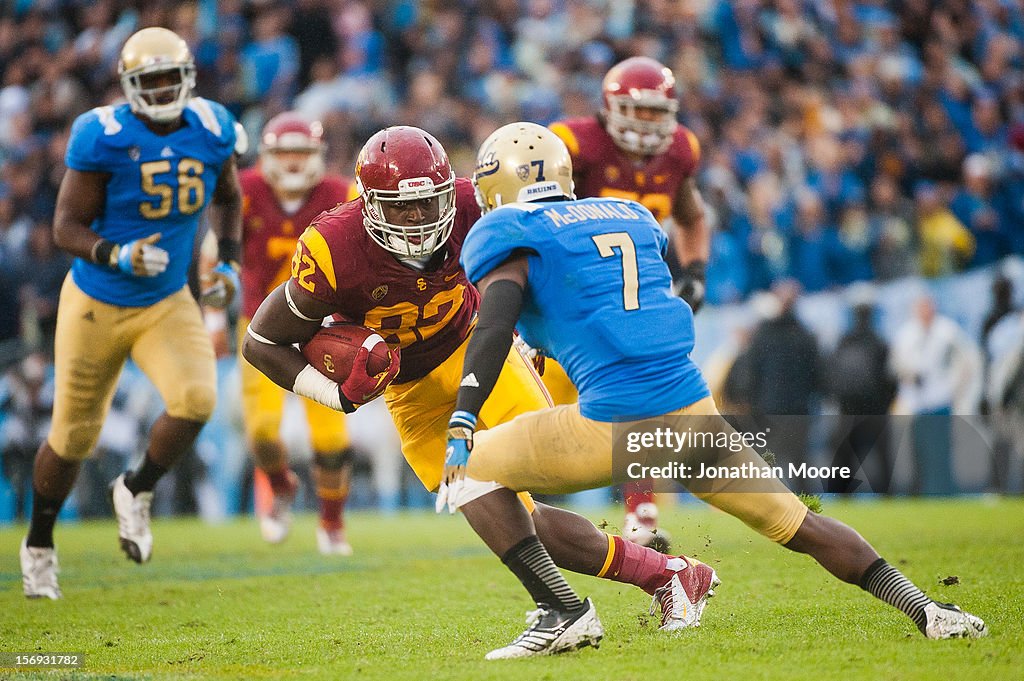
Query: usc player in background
x,y
635,149
390,261
281,196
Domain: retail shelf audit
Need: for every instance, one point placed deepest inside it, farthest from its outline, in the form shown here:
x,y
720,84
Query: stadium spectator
x,y
1005,397
891,224
1002,305
928,358
858,378
26,397
785,379
946,245
978,207
270,62
41,271
834,82
814,247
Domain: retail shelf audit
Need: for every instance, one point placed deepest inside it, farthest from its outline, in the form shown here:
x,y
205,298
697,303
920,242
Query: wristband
x,y
462,419
312,384
103,253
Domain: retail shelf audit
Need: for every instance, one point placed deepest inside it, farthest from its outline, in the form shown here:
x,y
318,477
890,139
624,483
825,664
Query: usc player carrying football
x,y
390,261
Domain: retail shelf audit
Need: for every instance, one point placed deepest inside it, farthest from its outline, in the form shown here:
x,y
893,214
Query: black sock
x,y
529,561
888,584
44,517
144,479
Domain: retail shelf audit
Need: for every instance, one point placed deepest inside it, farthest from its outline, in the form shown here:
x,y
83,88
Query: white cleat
x,y
332,542
276,523
39,570
550,631
944,620
684,597
132,513
276,526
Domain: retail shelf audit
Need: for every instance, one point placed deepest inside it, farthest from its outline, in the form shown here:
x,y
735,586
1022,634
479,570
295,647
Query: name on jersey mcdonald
x,y
606,210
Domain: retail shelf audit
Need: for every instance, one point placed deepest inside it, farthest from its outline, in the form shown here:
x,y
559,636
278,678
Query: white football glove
x,y
141,258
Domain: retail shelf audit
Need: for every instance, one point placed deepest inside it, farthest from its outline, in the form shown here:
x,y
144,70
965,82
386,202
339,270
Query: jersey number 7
x,y
606,245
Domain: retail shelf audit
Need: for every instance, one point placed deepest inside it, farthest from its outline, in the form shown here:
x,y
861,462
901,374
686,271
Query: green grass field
x,y
423,599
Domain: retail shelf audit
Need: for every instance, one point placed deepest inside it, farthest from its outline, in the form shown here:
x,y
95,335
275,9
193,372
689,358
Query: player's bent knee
x,y
194,403
76,444
333,461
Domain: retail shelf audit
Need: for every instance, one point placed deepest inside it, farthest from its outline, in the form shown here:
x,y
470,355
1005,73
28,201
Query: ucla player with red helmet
x,y
635,149
586,281
138,180
280,197
390,261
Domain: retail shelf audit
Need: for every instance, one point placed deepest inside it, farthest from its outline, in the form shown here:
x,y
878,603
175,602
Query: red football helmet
x,y
404,163
292,152
645,84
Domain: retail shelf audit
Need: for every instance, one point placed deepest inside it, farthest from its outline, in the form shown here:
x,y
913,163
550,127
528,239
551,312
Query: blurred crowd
x,y
842,141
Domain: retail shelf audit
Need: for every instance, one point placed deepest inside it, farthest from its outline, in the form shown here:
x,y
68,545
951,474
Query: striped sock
x,y
888,584
529,561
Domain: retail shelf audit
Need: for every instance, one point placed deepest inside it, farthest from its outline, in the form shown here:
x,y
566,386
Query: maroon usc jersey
x,y
269,233
428,313
600,168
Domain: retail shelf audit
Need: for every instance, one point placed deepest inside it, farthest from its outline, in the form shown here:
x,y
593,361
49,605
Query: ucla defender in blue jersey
x,y
138,178
586,284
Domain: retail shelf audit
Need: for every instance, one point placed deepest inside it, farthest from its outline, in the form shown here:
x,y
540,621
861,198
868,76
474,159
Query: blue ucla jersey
x,y
158,183
598,300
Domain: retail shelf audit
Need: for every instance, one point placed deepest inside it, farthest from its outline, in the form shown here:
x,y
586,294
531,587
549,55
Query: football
x,y
333,349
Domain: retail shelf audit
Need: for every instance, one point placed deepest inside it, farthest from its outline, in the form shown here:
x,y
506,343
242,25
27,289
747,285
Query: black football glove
x,y
690,286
